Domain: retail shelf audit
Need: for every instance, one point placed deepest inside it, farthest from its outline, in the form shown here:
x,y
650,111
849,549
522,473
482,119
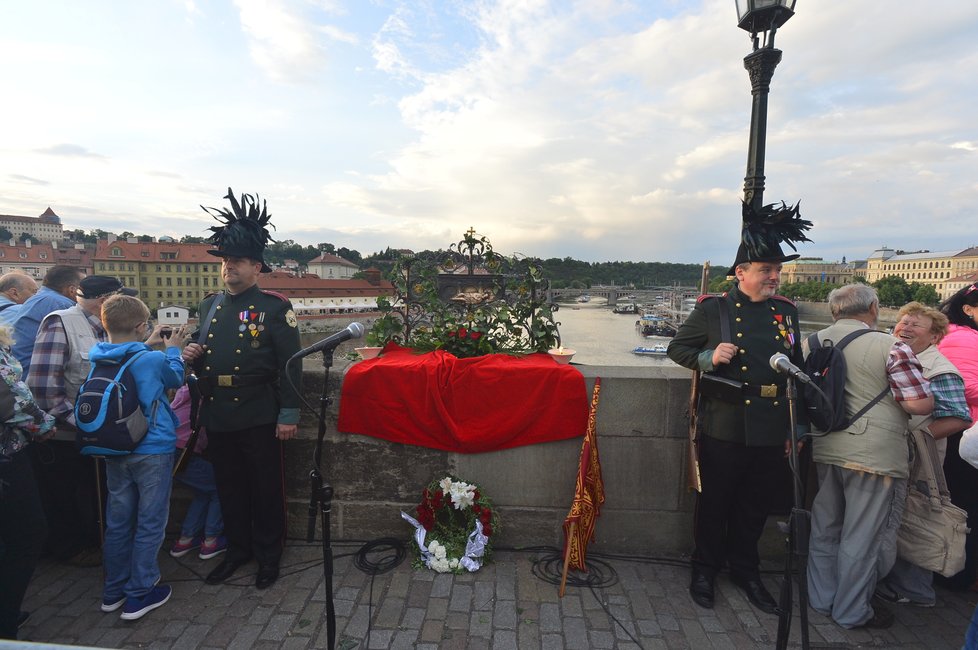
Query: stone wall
x,y
641,435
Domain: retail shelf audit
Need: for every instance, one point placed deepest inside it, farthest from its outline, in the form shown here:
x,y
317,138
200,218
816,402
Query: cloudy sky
x,y
595,129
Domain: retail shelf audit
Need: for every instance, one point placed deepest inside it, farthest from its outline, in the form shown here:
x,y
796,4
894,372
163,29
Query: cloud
x,y
19,178
70,151
285,42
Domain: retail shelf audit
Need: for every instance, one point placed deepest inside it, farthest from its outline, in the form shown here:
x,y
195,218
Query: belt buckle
x,y
769,390
225,380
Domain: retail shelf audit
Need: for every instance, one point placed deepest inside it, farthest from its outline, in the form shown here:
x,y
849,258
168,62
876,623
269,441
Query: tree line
x,y
563,273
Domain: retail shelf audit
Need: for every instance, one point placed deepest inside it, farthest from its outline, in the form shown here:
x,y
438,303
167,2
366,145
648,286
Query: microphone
x,y
352,331
781,363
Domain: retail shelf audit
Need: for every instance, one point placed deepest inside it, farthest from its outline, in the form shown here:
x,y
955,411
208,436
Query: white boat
x,y
656,350
584,298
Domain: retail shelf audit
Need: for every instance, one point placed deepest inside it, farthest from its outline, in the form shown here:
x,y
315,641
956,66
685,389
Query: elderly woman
x,y
922,328
960,346
22,524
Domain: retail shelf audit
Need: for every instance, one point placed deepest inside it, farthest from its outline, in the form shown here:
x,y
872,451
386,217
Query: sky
x,y
600,130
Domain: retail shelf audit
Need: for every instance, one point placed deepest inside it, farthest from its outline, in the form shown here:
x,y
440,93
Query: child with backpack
x,y
138,481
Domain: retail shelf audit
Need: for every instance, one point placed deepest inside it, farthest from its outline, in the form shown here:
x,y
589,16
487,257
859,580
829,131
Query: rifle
x,y
188,450
693,480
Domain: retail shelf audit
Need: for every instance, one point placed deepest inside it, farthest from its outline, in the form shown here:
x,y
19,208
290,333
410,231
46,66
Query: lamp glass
x,y
749,11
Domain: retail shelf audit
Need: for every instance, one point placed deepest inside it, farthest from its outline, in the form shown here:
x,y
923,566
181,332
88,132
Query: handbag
x,y
933,530
968,447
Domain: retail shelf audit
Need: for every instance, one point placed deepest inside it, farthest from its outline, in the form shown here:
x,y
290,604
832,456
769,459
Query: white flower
x,y
434,546
445,484
441,566
462,494
453,563
440,552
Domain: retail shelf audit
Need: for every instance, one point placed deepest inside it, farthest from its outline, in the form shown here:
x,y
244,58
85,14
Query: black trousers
x,y
22,532
740,486
248,468
69,494
962,482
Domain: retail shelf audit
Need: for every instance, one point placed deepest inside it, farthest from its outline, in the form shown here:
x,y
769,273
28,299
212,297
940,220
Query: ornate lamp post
x,y
761,18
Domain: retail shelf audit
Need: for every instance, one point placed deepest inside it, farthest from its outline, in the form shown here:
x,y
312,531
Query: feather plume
x,y
243,227
765,229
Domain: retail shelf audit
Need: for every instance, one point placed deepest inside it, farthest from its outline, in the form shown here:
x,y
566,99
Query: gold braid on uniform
x,y
243,226
765,229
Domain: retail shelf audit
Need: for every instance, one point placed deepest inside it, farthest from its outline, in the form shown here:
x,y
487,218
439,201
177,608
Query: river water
x,y
604,338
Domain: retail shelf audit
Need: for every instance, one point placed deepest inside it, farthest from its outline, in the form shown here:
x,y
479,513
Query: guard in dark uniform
x,y
745,423
249,406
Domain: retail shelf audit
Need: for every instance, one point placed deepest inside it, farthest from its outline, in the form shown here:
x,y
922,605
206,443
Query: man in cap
x,y
745,434
15,288
249,404
59,366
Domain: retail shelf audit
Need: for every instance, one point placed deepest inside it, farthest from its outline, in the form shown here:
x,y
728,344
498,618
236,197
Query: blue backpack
x,y
109,418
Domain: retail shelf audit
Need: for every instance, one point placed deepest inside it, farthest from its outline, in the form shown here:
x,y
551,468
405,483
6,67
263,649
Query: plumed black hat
x,y
242,232
766,229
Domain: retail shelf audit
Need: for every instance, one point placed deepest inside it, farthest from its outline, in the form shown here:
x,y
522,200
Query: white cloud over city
x,y
594,129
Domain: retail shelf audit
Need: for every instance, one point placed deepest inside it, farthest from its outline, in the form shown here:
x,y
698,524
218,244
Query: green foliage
x,y
720,284
5,235
924,293
813,290
893,291
519,322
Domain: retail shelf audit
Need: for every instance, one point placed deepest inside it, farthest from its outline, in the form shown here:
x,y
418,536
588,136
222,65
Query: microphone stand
x,y
321,493
799,525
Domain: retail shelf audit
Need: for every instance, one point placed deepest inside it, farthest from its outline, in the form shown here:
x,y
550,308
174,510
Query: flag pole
x,y
588,496
567,555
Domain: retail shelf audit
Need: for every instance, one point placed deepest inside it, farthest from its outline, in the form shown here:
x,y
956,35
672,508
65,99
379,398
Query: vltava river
x,y
603,338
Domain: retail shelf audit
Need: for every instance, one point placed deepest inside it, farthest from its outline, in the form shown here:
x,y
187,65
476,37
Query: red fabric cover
x,y
470,405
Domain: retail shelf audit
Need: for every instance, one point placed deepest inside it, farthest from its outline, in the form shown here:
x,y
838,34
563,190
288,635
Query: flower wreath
x,y
454,526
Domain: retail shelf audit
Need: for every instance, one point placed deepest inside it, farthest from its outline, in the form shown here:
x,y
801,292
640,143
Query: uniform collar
x,y
247,294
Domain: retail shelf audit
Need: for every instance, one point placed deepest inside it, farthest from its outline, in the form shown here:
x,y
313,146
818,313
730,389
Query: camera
x,y
166,332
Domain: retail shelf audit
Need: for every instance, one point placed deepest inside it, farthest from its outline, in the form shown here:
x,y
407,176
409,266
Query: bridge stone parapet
x,y
642,441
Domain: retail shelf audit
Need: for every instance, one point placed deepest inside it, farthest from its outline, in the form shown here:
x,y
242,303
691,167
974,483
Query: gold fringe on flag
x,y
588,497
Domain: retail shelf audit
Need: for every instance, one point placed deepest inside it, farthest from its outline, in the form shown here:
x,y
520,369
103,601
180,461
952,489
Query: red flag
x,y
588,494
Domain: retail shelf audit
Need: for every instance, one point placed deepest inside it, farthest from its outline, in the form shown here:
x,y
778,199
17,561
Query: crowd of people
x,y
921,381
925,376
54,499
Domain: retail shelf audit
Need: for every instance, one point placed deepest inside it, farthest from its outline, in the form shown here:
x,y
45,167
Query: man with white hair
x,y
863,469
15,288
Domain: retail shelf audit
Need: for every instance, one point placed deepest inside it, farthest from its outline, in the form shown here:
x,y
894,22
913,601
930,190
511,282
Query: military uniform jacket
x,y
242,371
759,329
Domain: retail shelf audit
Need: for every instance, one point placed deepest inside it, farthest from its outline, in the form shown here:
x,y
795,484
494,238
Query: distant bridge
x,y
669,295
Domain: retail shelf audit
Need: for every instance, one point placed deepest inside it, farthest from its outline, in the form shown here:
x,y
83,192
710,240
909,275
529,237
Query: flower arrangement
x,y
454,526
468,301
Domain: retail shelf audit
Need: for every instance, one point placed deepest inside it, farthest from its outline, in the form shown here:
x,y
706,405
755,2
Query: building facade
x,y
165,273
942,270
45,228
815,269
36,259
332,267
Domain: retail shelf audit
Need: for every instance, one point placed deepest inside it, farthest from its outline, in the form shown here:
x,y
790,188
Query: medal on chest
x,y
252,322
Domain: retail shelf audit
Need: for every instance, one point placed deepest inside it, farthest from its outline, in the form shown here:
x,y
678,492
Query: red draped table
x,y
470,405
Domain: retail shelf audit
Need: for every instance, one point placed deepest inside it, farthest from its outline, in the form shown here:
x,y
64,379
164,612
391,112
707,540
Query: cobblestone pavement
x,y
502,606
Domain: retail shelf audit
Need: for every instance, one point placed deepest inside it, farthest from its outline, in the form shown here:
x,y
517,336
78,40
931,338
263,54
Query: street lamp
x,y
760,17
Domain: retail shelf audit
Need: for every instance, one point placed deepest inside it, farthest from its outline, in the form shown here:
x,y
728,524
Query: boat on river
x,y
584,298
657,350
629,308
651,325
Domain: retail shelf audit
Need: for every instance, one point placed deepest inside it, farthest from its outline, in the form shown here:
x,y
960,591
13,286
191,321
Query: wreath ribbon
x,y
475,547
